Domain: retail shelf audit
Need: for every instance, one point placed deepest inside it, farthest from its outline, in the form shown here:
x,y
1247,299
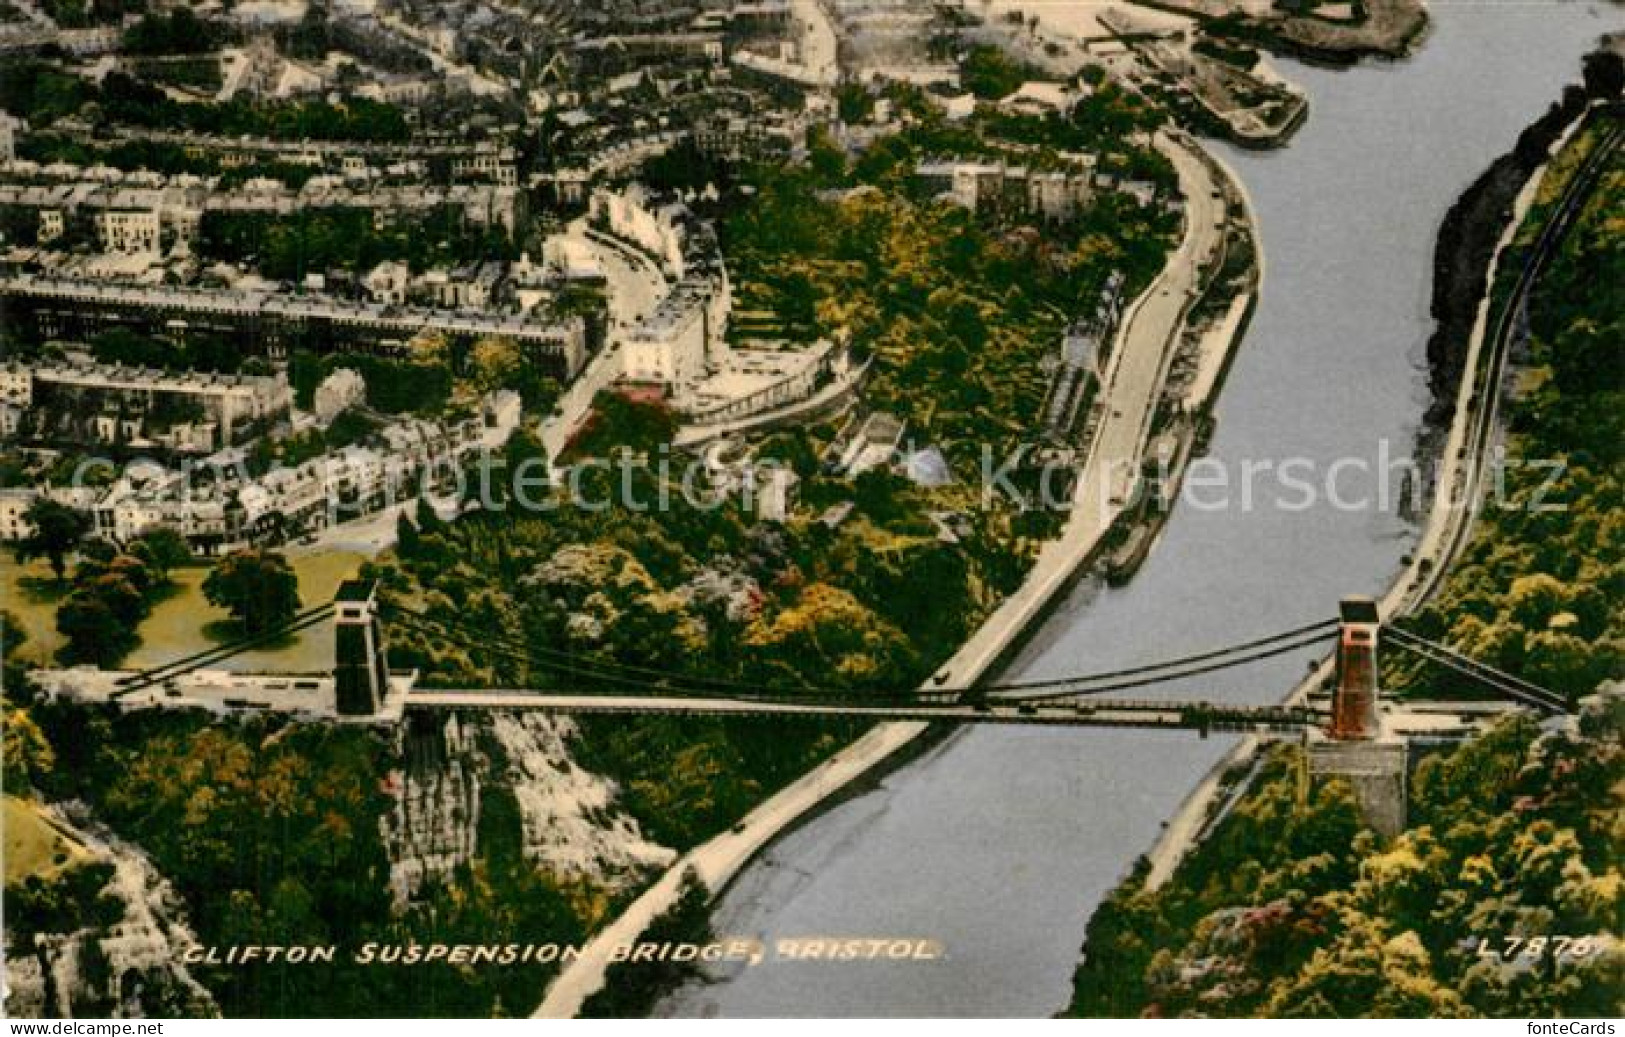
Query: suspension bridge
x,y
362,686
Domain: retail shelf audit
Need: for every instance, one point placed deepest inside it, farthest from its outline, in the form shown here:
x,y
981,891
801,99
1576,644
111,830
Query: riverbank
x,y
1147,340
1216,324
1472,235
716,862
1381,29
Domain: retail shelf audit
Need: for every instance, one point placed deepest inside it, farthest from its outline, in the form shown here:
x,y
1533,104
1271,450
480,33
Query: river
x,y
1000,842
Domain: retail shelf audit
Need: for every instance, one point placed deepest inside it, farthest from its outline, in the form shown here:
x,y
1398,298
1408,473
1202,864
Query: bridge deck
x,y
1095,713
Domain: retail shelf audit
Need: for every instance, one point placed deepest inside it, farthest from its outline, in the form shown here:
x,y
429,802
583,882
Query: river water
x,y
1000,842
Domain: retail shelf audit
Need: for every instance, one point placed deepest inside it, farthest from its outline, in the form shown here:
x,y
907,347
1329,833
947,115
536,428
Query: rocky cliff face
x,y
132,967
570,825
435,824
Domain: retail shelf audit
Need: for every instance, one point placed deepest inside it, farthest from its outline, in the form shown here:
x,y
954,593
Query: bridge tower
x,y
361,669
1354,702
1355,748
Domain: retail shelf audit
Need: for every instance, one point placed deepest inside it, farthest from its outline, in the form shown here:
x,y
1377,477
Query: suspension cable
x,y
198,660
638,677
1196,671
1133,671
1488,676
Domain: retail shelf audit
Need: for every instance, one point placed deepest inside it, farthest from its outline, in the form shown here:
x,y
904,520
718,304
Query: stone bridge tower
x,y
361,668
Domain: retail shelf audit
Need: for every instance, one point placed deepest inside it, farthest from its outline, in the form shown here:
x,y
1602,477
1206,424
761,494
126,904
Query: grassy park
x,y
182,622
34,846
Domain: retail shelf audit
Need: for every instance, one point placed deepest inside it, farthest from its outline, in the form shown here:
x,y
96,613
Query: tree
x,y
428,522
57,529
121,594
94,632
620,421
12,635
1604,74
26,753
257,587
162,549
494,363
407,541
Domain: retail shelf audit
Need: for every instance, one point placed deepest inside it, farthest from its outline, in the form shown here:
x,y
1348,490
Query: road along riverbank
x,y
1146,343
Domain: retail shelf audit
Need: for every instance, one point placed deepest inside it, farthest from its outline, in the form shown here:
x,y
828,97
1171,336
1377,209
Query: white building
x,y
119,401
9,127
388,283
14,504
874,445
125,231
638,216
337,393
753,381
775,491
959,107
498,165
17,385
1040,98
1057,196
52,225
682,340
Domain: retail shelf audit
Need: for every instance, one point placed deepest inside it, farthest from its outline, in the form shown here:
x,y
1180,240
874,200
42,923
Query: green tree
x,y
12,635
407,541
162,550
494,362
94,631
27,754
56,530
257,587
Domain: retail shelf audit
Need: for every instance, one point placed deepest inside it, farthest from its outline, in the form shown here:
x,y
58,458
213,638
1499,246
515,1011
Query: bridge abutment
x,y
1375,769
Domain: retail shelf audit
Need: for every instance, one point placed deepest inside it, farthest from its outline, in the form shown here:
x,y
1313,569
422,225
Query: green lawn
x,y
183,622
33,845
31,594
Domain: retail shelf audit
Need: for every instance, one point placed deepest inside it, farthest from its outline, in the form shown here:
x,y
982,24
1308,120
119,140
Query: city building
x,y
14,505
337,393
89,402
389,282
129,231
273,323
678,342
775,491
10,125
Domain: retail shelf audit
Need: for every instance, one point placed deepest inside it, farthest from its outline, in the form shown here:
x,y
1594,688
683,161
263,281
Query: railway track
x,y
1486,418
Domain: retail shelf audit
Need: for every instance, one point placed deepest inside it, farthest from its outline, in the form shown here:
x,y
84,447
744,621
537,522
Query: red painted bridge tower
x,y
1354,702
1354,747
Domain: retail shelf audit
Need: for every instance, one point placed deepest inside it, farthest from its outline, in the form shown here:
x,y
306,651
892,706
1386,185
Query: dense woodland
x,y
1294,909
968,303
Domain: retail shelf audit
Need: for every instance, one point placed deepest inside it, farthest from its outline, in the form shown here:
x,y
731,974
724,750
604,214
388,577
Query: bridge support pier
x,y
1375,769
